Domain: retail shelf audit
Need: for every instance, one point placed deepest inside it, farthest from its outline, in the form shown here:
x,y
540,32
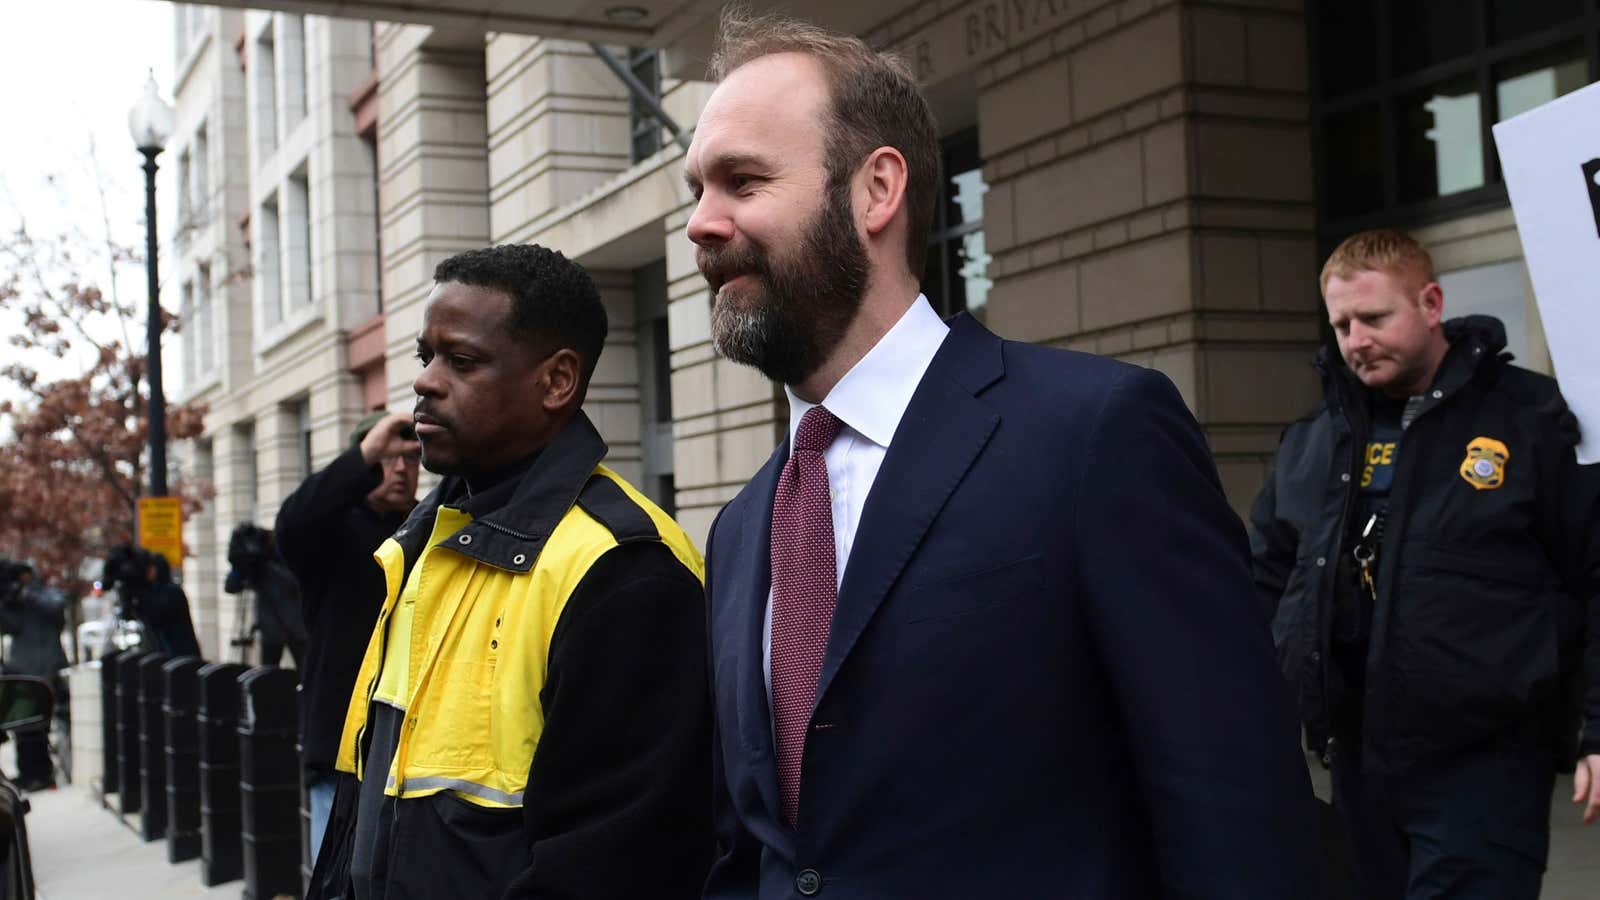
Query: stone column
x,y
433,186
234,457
1150,195
613,401
557,128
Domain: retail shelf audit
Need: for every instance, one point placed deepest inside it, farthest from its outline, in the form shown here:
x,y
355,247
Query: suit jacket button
x,y
808,882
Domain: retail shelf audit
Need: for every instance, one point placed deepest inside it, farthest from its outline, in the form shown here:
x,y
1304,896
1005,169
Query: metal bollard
x,y
183,757
128,797
269,781
152,747
221,853
108,726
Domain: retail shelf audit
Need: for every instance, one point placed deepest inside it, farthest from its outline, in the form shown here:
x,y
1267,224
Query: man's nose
x,y
426,383
709,224
1359,338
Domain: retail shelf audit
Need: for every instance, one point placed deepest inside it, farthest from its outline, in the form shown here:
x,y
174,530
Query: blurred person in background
x,y
327,531
146,594
33,614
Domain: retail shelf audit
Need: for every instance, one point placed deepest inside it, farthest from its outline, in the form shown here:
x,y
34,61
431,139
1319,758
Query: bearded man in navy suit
x,y
983,626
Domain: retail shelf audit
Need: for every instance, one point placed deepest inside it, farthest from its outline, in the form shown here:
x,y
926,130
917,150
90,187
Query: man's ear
x,y
562,380
1431,302
884,180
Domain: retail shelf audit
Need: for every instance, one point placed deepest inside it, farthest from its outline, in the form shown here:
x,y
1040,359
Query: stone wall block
x,y
1217,46
1039,306
1246,160
1137,282
1154,42
1230,272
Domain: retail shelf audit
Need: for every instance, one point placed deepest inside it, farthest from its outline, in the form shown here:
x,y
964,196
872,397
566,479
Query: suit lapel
x,y
750,583
915,480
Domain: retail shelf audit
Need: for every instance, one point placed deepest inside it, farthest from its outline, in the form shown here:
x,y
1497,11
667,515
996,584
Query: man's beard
x,y
799,305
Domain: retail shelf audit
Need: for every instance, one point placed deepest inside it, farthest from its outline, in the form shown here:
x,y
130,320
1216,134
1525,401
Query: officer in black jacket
x,y
1430,548
326,532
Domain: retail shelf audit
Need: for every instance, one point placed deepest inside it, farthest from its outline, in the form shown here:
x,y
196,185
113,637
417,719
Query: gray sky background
x,y
71,70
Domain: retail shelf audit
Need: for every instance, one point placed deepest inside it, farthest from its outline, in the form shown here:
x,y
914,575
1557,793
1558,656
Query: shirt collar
x,y
872,397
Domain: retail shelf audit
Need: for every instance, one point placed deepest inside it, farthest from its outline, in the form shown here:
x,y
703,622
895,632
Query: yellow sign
x,y
161,528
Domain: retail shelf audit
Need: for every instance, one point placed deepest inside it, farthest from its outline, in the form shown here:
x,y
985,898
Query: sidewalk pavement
x,y
82,851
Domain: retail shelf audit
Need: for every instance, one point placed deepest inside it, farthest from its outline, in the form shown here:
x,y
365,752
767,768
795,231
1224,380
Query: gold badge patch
x,y
1485,465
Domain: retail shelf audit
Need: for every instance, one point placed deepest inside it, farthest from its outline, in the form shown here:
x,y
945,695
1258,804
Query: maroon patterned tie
x,y
803,593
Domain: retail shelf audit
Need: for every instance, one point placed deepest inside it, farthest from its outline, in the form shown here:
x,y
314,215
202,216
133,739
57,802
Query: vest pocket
x,y
461,733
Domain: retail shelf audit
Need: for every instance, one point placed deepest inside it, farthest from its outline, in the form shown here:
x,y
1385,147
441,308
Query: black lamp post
x,y
151,123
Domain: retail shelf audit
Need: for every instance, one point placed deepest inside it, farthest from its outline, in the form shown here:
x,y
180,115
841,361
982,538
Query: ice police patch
x,y
1485,464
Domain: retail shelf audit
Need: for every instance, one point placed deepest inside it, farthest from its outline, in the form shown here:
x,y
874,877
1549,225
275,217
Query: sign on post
x,y
161,528
1551,159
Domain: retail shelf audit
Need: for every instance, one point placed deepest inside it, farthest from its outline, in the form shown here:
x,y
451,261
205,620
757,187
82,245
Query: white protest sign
x,y
1551,159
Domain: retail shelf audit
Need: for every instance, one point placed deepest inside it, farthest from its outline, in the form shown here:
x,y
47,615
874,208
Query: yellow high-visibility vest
x,y
476,650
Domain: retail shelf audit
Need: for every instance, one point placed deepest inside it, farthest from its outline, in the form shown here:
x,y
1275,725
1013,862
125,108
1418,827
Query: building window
x,y
247,493
291,52
264,72
189,339
302,420
297,240
185,191
955,276
1406,91
269,262
204,333
654,349
200,185
645,64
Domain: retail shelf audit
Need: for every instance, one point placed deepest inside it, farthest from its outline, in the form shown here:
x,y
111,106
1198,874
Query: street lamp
x,y
150,121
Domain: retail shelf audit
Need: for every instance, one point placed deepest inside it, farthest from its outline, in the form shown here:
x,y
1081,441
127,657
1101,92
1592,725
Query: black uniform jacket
x,y
618,803
326,532
1486,601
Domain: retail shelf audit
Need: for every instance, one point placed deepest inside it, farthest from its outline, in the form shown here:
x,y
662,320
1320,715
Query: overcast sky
x,y
71,70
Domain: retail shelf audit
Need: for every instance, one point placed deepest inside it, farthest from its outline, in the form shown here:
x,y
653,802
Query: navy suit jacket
x,y
1047,674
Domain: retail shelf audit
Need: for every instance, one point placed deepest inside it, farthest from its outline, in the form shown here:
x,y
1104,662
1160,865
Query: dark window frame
x,y
644,129
958,152
1388,89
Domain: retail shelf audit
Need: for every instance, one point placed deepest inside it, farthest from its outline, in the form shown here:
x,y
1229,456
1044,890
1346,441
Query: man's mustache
x,y
722,264
423,413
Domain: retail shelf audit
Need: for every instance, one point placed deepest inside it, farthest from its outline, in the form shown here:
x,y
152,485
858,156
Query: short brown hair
x,y
1380,250
873,101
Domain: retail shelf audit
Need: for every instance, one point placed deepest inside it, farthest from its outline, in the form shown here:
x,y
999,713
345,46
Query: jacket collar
x,y
512,536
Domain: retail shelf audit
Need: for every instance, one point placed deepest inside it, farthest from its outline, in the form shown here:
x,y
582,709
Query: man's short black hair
x,y
554,303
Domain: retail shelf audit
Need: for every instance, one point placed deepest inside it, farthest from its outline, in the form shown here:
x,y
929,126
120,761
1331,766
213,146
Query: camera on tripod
x,y
248,548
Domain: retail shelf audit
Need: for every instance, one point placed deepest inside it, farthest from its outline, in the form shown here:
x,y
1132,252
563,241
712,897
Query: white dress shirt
x,y
870,400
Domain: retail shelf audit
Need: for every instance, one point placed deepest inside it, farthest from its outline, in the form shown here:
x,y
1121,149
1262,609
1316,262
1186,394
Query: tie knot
x,y
818,428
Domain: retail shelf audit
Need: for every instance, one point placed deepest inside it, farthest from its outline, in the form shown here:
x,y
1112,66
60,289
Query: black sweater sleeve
x,y
318,505
618,802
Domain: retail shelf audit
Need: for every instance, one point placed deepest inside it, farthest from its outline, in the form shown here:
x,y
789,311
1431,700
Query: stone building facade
x,y
1155,180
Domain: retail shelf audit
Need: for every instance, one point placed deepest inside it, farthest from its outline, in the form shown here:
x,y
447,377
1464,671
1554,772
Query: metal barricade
x,y
221,853
183,756
152,747
269,781
127,691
